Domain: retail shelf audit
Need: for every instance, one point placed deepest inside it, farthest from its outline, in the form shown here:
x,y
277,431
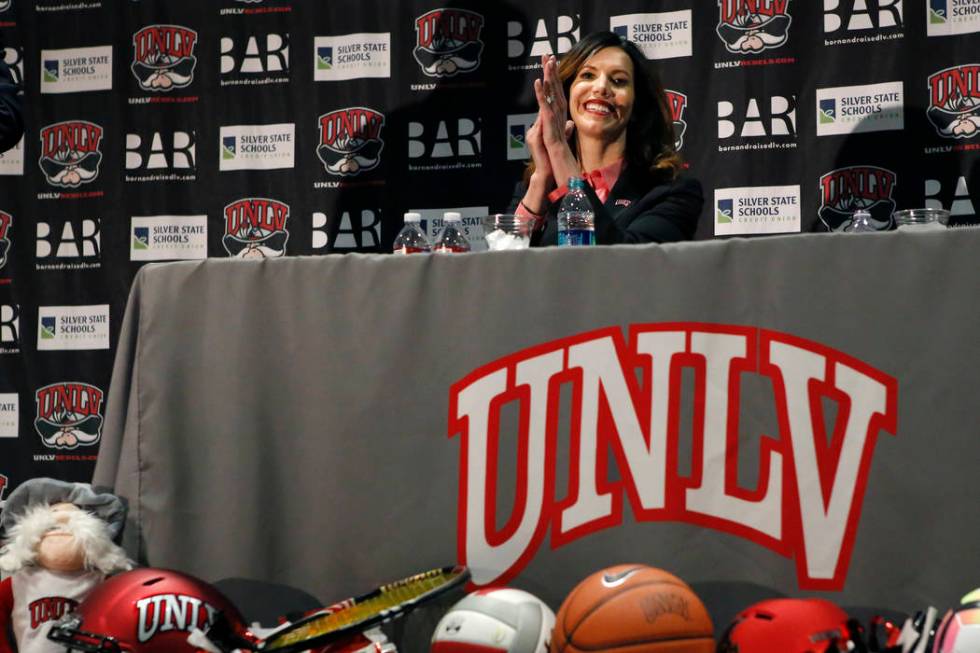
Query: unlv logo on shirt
x,y
50,608
954,101
677,102
350,140
845,190
167,612
69,415
163,57
751,26
71,153
447,42
811,475
255,227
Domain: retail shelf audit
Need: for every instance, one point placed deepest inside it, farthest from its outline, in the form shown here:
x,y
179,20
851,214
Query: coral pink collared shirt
x,y
602,181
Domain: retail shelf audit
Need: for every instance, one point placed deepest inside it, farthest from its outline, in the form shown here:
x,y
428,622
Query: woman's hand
x,y
554,126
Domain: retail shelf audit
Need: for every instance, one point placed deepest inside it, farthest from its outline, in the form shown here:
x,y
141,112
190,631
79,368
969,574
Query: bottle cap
x,y
411,216
452,216
576,183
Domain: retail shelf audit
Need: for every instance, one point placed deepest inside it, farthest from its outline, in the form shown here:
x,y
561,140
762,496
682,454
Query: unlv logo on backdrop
x,y
350,140
677,102
845,190
163,613
163,57
5,221
447,42
49,608
954,101
255,227
69,415
809,496
71,153
751,26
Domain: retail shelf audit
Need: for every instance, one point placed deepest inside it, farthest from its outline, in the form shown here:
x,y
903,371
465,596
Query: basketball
x,y
632,609
495,620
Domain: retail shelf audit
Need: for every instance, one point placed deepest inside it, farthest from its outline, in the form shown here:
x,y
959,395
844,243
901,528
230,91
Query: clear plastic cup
x,y
921,218
508,231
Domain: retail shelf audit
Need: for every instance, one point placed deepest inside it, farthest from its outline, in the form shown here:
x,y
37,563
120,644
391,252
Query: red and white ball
x,y
499,620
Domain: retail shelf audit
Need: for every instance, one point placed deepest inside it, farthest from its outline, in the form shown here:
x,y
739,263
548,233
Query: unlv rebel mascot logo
x,y
163,613
70,153
163,57
447,42
751,26
5,220
255,227
350,140
954,101
49,608
845,190
811,475
677,102
69,415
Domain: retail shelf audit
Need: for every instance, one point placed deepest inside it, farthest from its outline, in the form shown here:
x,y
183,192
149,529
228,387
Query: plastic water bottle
x,y
451,239
411,240
576,219
860,223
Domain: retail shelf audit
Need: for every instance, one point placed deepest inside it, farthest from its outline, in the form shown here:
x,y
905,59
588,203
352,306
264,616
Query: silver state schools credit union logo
x,y
163,57
751,26
447,42
350,140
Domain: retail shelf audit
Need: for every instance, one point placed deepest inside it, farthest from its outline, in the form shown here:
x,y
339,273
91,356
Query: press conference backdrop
x,y
165,130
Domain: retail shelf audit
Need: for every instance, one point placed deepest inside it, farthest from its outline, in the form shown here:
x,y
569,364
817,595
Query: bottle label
x,y
576,237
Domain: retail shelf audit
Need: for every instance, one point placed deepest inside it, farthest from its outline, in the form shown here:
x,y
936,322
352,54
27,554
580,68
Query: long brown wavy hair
x,y
650,131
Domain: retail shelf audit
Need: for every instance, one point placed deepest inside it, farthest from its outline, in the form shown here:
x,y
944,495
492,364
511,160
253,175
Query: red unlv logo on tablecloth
x,y
954,101
809,496
163,57
447,42
751,26
255,227
69,415
71,153
350,140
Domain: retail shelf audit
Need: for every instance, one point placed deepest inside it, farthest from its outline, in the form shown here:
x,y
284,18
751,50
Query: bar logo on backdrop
x,y
845,190
9,420
68,244
957,197
432,220
443,145
168,237
71,153
69,415
658,36
256,147
72,327
5,221
763,123
752,26
757,210
164,155
846,22
351,56
255,60
447,42
808,501
550,35
866,108
517,126
954,101
677,102
255,227
14,58
951,17
76,70
163,57
359,231
350,140
9,329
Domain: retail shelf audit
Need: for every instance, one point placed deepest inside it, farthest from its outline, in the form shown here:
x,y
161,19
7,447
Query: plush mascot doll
x,y
57,546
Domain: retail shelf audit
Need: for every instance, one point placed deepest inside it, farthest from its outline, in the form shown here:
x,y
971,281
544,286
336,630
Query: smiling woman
x,y
603,114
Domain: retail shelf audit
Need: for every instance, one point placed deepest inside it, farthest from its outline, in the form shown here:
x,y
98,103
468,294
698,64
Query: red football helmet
x,y
145,611
788,626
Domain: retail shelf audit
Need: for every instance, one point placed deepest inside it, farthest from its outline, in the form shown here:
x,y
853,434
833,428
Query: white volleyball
x,y
501,620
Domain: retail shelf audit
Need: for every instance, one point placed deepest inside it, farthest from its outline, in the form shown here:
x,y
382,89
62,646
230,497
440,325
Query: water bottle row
x,y
576,227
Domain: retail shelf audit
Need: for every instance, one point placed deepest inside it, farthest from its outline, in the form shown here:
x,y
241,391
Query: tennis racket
x,y
357,614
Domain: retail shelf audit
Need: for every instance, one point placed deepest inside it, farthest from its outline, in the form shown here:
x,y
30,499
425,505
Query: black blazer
x,y
11,113
638,210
